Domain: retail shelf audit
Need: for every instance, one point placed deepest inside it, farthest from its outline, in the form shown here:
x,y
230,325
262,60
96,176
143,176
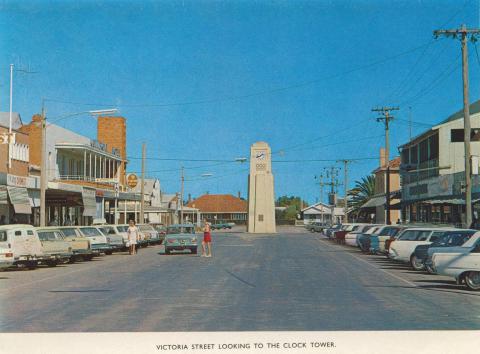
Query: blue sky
x,y
206,79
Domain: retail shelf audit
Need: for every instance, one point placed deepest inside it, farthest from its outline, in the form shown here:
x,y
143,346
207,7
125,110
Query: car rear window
x,y
146,228
3,236
69,232
48,235
122,228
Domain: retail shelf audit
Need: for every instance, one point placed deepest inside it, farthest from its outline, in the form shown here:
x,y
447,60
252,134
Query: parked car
x,y
142,241
162,231
380,241
150,233
403,247
6,254
21,243
180,238
82,249
462,265
330,231
98,240
351,238
364,238
116,239
220,226
448,240
339,235
56,248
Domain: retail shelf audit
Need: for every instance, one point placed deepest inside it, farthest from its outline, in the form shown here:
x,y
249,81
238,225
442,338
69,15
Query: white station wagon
x,y
461,263
20,245
403,248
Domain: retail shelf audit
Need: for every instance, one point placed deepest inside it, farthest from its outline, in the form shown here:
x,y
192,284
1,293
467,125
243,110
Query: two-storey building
x,y
433,171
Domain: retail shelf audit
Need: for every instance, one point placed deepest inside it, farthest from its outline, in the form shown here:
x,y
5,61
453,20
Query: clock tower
x,y
261,199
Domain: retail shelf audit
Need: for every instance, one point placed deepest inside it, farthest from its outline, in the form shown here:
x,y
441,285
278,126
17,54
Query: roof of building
x,y
474,109
394,164
5,120
150,185
219,203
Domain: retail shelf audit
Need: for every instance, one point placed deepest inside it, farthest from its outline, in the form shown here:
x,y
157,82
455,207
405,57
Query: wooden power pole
x,y
142,186
386,117
463,33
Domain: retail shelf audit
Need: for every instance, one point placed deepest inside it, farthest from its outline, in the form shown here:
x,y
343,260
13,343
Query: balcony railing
x,y
82,178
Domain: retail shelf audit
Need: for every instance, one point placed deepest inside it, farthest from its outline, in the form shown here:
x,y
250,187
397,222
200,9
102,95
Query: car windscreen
x,y
108,230
122,228
3,236
91,231
389,231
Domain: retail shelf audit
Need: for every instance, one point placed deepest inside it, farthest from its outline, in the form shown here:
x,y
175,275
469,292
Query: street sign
x,y
132,180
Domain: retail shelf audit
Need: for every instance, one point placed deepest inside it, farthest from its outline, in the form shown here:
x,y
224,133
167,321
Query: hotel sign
x,y
132,180
16,181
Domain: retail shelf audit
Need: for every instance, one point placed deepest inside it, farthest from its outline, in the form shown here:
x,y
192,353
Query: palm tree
x,y
361,193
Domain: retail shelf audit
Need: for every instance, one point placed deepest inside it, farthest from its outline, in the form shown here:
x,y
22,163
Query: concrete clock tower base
x,y
261,198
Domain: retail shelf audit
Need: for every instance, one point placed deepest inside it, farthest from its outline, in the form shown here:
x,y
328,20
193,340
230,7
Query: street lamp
x,y
43,167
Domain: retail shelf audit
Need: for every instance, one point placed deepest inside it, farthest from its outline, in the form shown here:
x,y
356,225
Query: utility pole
x,y
386,118
142,186
345,183
10,135
181,197
321,184
463,32
333,174
43,169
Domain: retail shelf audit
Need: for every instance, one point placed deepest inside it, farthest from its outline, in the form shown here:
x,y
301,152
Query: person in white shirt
x,y
132,233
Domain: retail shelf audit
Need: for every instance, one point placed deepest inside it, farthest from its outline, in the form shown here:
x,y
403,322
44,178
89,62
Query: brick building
x,y
17,188
83,173
218,208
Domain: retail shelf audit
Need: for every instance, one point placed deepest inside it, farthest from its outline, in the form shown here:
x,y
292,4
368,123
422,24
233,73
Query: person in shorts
x,y
207,240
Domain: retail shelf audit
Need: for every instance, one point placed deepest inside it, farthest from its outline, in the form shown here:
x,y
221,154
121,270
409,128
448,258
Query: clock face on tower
x,y
260,155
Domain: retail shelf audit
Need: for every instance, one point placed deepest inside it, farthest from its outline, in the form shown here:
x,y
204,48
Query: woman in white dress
x,y
132,233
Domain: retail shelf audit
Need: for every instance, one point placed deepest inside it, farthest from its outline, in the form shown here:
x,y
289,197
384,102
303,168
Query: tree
x,y
363,191
293,205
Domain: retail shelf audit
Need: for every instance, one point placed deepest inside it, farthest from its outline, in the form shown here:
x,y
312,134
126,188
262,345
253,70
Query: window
x,y
414,154
408,235
260,217
29,232
406,156
436,235
3,236
456,135
424,150
18,233
433,146
423,235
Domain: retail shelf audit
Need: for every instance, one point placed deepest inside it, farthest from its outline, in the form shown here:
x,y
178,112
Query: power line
x,y
259,93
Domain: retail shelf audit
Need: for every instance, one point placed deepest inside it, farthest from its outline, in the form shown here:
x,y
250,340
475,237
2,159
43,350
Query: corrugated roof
x,y
5,120
219,203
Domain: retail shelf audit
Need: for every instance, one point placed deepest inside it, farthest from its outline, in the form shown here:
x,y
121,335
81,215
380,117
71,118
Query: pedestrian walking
x,y
132,233
207,240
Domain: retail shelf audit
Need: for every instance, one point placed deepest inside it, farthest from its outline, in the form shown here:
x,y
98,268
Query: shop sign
x,y
132,180
16,181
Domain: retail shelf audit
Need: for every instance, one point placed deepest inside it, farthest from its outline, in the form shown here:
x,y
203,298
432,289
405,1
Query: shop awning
x,y
34,197
374,202
89,202
455,201
19,199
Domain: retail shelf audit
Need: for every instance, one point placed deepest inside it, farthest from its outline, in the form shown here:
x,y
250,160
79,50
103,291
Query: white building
x,y
321,212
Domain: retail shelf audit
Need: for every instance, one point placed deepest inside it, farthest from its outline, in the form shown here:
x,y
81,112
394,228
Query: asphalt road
x,y
289,281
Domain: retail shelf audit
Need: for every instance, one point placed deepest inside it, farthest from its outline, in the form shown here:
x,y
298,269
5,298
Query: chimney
x,y
189,197
383,162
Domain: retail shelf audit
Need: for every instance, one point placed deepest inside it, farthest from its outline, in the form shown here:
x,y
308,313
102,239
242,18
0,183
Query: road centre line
x,y
373,266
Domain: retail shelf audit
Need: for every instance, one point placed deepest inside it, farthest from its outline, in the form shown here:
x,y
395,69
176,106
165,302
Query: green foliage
x,y
293,207
363,191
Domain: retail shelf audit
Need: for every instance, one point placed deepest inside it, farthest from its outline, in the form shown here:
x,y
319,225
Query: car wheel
x,y
108,253
472,280
194,251
429,269
72,260
167,251
416,263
